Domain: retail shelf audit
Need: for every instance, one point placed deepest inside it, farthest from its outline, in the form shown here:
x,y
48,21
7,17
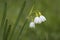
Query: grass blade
x,y
8,31
25,23
22,29
5,28
17,19
4,15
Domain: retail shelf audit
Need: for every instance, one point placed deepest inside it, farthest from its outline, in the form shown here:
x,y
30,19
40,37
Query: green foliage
x,y
14,24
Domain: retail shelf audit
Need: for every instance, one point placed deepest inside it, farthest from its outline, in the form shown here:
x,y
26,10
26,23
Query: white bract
x,y
32,25
43,19
37,20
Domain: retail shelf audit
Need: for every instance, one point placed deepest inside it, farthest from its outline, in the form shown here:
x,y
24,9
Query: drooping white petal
x,y
37,20
43,19
40,21
32,25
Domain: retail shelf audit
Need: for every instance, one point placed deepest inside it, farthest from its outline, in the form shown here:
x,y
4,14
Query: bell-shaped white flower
x,y
43,19
37,20
32,25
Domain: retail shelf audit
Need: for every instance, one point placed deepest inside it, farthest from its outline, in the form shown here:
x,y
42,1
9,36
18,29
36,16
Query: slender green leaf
x,y
8,31
22,29
4,14
5,28
17,21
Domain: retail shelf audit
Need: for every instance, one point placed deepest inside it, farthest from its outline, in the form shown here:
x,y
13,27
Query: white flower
x,y
37,20
32,25
43,19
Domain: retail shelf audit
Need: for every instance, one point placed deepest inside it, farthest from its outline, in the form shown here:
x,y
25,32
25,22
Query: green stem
x,y
36,14
40,13
31,10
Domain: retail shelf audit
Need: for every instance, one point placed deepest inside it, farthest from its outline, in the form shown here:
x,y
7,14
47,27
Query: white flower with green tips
x,y
43,19
32,25
37,20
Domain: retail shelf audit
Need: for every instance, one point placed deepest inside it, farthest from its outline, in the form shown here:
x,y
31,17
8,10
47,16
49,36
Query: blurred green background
x,y
49,30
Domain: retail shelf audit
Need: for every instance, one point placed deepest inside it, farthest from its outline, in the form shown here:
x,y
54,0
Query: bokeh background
x,y
49,30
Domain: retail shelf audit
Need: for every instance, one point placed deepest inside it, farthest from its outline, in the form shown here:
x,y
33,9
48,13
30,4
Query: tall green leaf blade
x,y
22,29
5,29
3,18
7,33
4,14
17,21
